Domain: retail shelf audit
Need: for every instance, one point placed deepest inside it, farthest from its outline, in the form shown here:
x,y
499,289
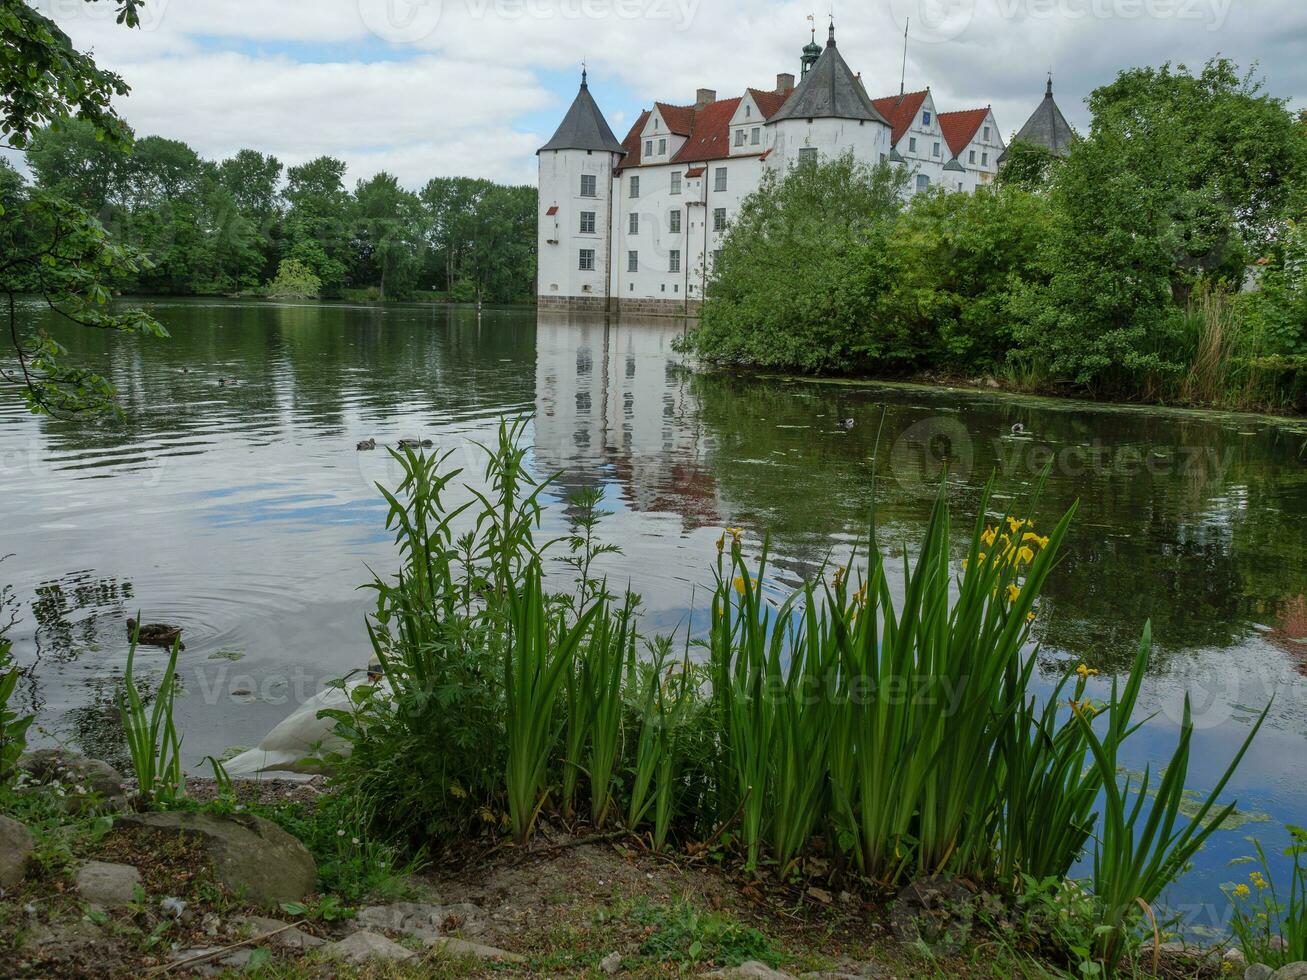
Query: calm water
x,y
245,514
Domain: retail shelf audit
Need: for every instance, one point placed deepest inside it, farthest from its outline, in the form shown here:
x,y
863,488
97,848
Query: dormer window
x,y
756,135
925,118
739,137
662,146
648,148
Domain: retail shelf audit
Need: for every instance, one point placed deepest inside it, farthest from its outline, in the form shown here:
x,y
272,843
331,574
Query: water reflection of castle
x,y
612,406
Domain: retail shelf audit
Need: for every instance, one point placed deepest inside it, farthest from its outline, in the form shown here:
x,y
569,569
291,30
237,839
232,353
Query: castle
x,y
633,225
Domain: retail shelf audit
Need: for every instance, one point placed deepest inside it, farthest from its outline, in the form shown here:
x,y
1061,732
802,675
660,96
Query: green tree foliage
x,y
317,221
801,268
955,262
294,280
1027,165
386,233
48,245
481,238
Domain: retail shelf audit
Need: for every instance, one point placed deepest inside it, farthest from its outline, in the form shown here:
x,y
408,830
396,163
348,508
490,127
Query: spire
x,y
584,128
811,50
828,90
830,34
1046,127
1048,92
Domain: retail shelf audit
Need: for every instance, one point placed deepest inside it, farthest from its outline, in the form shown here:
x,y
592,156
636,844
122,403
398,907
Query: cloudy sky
x,y
440,87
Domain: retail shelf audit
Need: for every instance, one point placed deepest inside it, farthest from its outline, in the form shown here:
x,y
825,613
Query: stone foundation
x,y
634,307
573,304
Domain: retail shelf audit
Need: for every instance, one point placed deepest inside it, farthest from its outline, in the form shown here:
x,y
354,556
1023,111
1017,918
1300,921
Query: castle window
x,y
986,134
934,150
807,154
756,136
587,263
912,144
662,146
634,225
739,137
971,157
635,185
674,260
719,179
984,159
923,182
716,256
632,261
587,185
587,222
748,110
925,118
674,221
676,182
648,148
718,219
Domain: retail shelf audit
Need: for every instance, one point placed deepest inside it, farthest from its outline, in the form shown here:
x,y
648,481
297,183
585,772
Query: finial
x,y
583,73
830,34
1048,92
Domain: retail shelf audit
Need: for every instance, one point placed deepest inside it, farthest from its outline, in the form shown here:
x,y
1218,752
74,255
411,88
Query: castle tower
x,y
1047,127
574,233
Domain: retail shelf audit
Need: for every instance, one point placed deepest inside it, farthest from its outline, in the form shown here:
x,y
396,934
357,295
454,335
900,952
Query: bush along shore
x,y
832,783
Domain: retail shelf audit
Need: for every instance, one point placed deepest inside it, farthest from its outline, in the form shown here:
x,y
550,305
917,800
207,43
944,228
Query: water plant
x,y
152,738
1269,925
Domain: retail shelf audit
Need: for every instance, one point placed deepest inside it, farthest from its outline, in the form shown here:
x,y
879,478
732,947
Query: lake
x,y
244,513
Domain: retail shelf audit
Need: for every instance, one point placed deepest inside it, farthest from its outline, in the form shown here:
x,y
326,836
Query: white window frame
x,y
719,179
718,219
633,188
755,137
674,221
586,260
633,223
648,148
676,182
632,261
593,181
587,217
674,260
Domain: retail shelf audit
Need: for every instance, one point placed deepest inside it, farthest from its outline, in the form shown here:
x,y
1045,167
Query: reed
x,y
153,742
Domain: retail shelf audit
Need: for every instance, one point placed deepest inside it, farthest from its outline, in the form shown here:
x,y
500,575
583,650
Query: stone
x,y
64,941
217,961
464,949
1258,971
15,848
423,920
611,963
249,926
85,782
1291,971
110,886
366,947
751,969
252,856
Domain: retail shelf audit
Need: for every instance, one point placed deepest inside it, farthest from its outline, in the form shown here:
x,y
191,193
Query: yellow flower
x,y
965,562
721,543
988,535
839,577
1025,555
1015,525
1031,537
457,791
739,584
1013,591
1085,671
1242,891
736,533
1084,707
1030,616
1257,879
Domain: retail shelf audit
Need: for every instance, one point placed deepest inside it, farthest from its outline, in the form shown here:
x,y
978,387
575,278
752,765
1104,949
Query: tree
x,y
386,232
47,245
1026,165
295,280
317,219
801,270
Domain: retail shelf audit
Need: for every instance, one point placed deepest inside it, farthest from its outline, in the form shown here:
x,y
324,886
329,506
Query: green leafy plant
x,y
1270,926
682,933
152,738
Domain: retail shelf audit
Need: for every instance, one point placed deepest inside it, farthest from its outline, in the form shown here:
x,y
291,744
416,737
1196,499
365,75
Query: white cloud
x,y
422,87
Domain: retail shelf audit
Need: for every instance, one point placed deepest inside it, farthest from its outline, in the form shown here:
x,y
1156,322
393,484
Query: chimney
x,y
784,83
703,96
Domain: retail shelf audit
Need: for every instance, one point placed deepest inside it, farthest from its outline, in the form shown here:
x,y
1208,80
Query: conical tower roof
x,y
583,128
1047,127
829,91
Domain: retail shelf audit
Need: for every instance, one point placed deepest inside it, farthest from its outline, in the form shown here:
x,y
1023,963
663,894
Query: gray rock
x,y
1258,971
464,949
15,848
423,920
65,941
85,782
611,963
213,961
1291,971
366,947
252,857
751,969
248,926
110,886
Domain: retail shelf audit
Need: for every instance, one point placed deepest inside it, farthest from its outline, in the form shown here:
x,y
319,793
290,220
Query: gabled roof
x,y
679,118
632,142
710,136
769,102
583,128
901,111
959,128
829,91
1047,127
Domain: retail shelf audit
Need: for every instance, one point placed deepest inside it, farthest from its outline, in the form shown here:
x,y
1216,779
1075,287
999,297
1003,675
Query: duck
x,y
303,742
155,634
367,444
1018,429
847,424
415,444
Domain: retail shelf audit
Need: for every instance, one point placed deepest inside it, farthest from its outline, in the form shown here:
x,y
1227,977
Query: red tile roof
x,y
959,128
900,110
679,118
632,142
710,137
695,171
769,102
553,209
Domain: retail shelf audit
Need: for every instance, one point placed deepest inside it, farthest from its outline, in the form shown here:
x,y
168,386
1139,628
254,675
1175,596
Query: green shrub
x,y
1270,925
